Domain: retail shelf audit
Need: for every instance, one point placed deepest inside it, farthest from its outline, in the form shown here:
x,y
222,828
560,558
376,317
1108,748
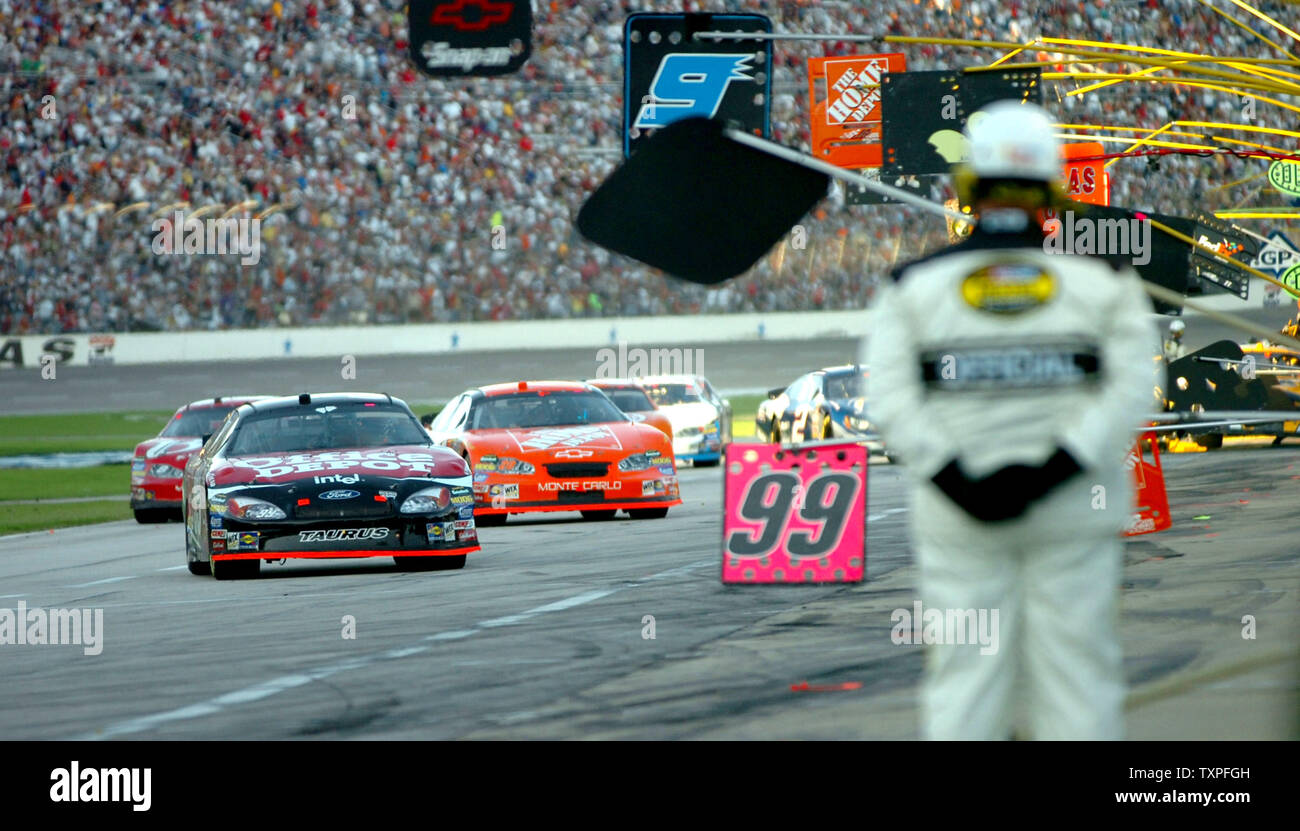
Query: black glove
x,y
1006,493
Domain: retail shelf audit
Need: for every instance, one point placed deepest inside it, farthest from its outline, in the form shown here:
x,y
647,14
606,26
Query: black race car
x,y
325,476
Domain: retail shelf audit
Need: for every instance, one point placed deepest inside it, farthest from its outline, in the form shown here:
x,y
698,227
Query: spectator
x,y
385,186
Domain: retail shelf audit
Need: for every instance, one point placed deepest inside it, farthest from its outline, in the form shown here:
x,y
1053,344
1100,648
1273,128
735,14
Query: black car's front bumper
x,y
407,536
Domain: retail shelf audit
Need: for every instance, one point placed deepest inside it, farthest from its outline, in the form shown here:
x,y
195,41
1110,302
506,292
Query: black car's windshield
x,y
847,385
542,409
667,394
630,400
196,422
325,427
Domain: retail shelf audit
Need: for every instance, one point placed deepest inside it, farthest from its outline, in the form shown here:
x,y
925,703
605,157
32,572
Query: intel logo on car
x,y
345,494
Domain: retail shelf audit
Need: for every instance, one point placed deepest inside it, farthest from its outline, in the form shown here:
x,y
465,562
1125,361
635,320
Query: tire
x,y
430,563
201,569
152,516
490,520
648,513
709,463
1277,440
598,516
1210,441
236,569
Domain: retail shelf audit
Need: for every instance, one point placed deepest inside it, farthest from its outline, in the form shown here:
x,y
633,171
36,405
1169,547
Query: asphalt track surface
x,y
746,366
758,365
542,634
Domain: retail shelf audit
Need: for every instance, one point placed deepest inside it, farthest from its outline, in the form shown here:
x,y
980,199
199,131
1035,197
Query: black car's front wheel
x,y
236,569
430,563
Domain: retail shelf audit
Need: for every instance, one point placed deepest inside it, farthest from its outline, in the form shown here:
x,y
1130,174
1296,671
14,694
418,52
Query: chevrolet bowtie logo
x,y
572,453
484,15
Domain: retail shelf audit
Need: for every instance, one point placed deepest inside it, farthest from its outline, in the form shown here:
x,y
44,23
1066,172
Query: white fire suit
x,y
993,354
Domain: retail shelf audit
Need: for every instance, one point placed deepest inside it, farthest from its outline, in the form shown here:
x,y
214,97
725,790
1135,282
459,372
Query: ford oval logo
x,y
340,494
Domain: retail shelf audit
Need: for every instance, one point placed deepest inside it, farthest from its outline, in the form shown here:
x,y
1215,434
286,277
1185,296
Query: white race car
x,y
700,417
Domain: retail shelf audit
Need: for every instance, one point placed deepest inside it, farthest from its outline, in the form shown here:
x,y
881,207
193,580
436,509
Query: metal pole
x,y
783,36
783,152
1157,291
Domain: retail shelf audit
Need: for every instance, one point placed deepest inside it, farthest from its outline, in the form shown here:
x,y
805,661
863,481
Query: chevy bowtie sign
x,y
461,38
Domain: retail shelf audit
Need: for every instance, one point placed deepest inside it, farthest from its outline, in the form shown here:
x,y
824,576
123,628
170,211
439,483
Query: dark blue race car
x,y
827,403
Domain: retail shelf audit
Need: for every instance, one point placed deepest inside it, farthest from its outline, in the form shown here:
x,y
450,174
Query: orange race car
x,y
557,446
631,398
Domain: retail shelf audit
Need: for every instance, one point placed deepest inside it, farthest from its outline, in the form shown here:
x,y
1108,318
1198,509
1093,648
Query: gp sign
x,y
1277,256
794,515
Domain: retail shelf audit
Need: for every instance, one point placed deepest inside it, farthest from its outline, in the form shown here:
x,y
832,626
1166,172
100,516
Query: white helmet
x,y
1010,140
1176,327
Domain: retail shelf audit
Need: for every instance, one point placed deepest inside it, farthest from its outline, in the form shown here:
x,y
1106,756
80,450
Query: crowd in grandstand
x,y
379,188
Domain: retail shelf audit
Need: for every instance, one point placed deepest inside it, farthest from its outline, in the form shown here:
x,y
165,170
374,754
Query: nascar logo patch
x,y
1008,288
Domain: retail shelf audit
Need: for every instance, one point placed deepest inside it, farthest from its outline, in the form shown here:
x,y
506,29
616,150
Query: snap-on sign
x,y
461,38
794,515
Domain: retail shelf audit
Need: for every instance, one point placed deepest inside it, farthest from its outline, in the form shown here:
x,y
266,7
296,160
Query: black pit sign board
x,y
669,75
921,128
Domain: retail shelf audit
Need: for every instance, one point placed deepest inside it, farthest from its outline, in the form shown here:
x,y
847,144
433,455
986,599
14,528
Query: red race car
x,y
557,446
159,463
